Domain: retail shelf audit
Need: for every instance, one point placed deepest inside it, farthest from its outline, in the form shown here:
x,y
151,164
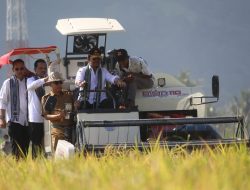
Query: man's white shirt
x,y
106,76
34,104
136,65
6,104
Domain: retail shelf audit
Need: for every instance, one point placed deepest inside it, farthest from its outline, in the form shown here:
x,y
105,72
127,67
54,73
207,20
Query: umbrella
x,y
5,59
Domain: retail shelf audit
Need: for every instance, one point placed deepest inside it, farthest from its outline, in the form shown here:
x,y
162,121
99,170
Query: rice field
x,y
158,168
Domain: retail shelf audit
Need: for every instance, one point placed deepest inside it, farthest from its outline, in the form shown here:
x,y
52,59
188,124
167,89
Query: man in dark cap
x,y
134,71
92,77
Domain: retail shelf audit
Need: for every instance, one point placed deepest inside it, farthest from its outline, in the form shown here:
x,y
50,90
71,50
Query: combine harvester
x,y
170,106
176,110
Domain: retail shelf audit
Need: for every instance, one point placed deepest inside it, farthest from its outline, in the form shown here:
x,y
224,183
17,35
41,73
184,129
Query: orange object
x,y
160,130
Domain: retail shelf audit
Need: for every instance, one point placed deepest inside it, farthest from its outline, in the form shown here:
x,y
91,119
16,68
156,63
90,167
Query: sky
x,y
202,37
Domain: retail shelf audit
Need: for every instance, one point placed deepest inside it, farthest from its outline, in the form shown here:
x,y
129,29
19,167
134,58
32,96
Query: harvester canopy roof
x,y
77,26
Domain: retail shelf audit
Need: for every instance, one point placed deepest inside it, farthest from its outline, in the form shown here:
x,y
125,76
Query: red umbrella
x,y
5,59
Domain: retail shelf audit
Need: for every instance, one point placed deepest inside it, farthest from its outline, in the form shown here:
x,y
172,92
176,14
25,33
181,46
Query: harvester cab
x,y
169,111
81,36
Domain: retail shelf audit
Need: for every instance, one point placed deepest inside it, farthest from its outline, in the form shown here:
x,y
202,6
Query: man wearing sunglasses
x,y
14,109
94,76
58,107
35,93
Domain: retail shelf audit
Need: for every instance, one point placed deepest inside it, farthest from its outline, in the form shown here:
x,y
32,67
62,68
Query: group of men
x,y
20,111
24,105
132,74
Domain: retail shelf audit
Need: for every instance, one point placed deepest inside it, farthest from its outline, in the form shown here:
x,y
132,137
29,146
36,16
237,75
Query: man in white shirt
x,y
92,77
14,109
134,71
35,93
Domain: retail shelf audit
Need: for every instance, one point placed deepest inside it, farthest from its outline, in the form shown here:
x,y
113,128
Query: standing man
x,y
134,71
35,93
14,109
92,77
58,107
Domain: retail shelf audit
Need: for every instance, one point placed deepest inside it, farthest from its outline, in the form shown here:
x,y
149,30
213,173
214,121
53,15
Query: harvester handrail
x,y
165,121
84,91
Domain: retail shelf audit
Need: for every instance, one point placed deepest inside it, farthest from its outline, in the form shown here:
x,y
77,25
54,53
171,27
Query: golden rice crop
x,y
158,168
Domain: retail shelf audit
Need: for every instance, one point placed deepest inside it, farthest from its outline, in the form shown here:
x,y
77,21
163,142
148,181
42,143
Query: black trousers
x,y
19,136
36,133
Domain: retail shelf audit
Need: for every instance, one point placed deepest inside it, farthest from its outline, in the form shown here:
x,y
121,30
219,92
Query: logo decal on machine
x,y
162,93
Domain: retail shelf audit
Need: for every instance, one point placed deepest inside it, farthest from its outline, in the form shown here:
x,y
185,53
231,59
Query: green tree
x,y
241,105
184,77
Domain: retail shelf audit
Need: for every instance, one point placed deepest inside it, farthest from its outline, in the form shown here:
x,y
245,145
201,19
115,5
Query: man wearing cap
x,y
58,107
134,71
92,77
14,109
35,93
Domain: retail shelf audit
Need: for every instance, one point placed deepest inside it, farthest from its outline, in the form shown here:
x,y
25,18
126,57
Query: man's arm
x,y
120,83
80,77
113,79
145,72
141,75
138,68
55,117
28,73
34,84
4,98
2,119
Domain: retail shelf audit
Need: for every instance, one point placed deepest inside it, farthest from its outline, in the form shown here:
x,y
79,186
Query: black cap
x,y
95,51
121,55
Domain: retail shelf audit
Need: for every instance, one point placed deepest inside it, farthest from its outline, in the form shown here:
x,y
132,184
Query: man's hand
x,y
130,77
120,83
83,84
46,79
77,104
61,115
28,73
2,123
